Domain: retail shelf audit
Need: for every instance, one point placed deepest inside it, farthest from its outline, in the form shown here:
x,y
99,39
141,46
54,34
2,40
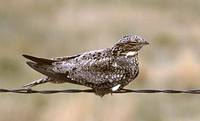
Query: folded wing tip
x,y
39,60
27,56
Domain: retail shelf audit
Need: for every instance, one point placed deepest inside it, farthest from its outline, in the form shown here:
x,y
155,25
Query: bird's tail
x,y
46,67
42,65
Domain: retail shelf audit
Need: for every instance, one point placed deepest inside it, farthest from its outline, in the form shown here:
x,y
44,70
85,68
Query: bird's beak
x,y
146,43
140,43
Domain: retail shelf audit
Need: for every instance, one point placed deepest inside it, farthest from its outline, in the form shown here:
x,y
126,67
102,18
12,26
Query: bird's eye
x,y
137,39
125,36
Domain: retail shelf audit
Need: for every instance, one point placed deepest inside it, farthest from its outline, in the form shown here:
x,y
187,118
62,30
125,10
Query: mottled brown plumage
x,y
104,71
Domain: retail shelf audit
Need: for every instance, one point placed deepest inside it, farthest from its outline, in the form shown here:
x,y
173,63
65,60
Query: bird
x,y
104,71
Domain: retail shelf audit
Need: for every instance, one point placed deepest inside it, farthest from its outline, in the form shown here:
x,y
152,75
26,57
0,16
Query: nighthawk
x,y
105,71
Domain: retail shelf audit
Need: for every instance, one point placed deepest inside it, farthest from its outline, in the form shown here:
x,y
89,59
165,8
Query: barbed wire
x,y
31,91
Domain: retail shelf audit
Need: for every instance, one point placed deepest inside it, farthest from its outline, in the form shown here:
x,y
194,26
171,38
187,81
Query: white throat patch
x,y
131,53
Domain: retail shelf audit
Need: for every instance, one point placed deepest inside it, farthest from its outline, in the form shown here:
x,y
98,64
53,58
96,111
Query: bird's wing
x,y
39,60
65,58
48,61
98,72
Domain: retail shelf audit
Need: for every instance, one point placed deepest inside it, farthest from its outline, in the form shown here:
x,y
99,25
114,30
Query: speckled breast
x,y
131,68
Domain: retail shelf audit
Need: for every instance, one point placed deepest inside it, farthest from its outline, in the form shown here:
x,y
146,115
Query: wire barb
x,y
31,91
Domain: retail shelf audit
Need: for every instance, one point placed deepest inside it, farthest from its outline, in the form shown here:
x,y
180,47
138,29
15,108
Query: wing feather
x,y
98,72
39,60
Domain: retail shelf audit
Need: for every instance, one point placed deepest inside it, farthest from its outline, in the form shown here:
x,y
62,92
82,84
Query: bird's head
x,y
129,43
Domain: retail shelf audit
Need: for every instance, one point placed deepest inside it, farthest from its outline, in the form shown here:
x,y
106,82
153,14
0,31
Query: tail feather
x,y
44,66
48,71
44,69
39,60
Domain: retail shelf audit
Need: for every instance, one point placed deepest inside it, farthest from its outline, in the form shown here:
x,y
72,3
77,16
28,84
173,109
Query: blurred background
x,y
51,28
